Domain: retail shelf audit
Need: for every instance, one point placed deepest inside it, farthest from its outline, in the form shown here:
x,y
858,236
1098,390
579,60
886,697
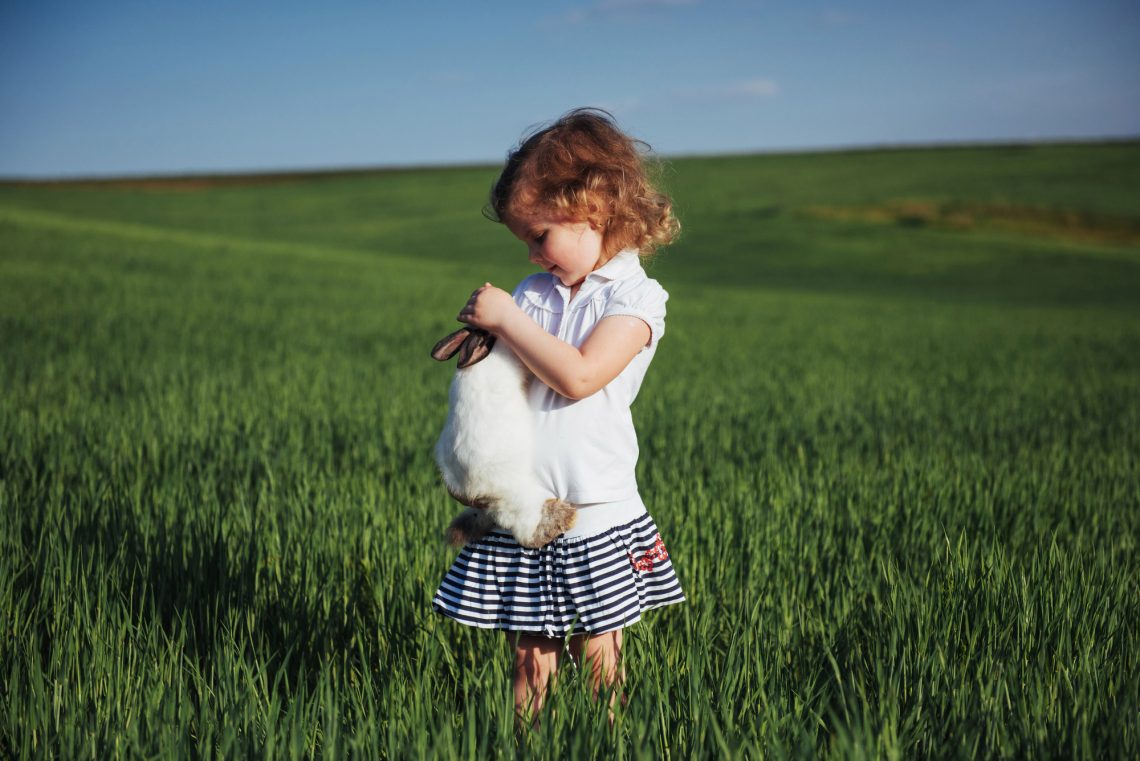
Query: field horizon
x,y
223,176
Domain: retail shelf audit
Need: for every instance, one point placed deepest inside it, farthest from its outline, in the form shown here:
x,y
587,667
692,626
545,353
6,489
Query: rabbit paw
x,y
557,518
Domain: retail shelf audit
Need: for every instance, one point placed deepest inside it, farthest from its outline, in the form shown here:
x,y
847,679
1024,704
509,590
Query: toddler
x,y
577,194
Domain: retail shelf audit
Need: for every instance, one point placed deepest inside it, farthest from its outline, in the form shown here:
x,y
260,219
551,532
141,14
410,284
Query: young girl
x,y
577,194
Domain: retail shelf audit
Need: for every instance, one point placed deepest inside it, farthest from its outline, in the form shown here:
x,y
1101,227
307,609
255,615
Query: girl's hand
x,y
488,308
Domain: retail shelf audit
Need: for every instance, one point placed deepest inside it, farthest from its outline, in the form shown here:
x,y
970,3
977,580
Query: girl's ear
x,y
599,215
595,216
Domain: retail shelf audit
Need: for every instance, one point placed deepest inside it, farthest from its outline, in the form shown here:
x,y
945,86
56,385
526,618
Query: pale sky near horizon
x,y
121,87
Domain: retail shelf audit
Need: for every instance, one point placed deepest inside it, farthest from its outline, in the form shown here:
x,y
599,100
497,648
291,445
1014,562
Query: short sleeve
x,y
646,301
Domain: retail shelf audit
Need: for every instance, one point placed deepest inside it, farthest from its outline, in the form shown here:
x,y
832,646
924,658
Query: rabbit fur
x,y
484,451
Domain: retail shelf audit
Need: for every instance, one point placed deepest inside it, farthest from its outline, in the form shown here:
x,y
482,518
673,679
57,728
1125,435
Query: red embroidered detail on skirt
x,y
656,553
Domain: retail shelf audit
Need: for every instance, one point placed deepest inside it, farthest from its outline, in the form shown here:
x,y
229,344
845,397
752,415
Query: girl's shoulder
x,y
639,282
638,290
624,278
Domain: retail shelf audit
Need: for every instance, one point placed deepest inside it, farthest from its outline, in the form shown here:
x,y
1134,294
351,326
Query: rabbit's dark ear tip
x,y
477,346
449,344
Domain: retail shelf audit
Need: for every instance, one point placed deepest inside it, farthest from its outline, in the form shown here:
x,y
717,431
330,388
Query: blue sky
x,y
103,88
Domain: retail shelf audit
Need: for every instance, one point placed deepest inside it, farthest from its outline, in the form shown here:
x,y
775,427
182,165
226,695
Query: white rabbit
x,y
484,451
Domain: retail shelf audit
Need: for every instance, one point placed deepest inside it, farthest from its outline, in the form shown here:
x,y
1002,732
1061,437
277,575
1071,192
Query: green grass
x,y
896,466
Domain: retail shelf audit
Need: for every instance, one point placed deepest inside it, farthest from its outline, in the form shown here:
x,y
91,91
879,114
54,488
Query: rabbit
x,y
484,451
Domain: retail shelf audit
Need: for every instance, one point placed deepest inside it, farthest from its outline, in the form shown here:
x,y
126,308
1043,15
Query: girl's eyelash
x,y
539,237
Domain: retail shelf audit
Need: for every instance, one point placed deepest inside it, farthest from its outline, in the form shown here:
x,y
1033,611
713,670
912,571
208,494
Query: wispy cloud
x,y
754,88
759,87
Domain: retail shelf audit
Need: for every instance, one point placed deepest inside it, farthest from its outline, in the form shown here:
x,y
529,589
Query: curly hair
x,y
584,168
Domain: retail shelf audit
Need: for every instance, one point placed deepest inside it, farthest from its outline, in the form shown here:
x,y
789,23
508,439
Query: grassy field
x,y
891,438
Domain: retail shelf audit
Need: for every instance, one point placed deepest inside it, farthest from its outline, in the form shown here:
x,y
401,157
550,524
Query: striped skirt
x,y
593,584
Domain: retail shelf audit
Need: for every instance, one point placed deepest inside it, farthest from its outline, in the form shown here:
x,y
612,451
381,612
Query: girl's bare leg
x,y
536,663
600,655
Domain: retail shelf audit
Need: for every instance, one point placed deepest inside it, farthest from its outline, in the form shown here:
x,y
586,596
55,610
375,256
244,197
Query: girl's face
x,y
566,249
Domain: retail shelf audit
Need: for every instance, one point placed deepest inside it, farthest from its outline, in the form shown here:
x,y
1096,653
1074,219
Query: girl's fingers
x,y
468,310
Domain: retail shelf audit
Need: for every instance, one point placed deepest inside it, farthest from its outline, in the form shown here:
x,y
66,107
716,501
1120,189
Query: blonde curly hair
x,y
585,169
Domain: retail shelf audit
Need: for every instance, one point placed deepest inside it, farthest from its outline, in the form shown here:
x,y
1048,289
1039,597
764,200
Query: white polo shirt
x,y
586,450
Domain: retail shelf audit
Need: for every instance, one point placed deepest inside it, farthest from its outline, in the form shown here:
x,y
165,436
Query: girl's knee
x,y
532,667
536,658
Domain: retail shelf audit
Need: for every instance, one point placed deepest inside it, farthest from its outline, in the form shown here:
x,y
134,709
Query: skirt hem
x,y
508,626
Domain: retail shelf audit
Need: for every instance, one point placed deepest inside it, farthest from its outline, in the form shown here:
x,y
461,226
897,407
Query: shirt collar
x,y
623,264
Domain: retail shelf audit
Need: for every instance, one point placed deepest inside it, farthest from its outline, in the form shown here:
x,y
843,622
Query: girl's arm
x,y
573,372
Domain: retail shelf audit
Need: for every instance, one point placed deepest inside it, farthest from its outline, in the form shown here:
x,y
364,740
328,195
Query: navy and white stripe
x,y
584,584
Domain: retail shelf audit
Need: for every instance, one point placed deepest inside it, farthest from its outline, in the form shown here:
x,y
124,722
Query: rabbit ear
x,y
446,348
475,347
